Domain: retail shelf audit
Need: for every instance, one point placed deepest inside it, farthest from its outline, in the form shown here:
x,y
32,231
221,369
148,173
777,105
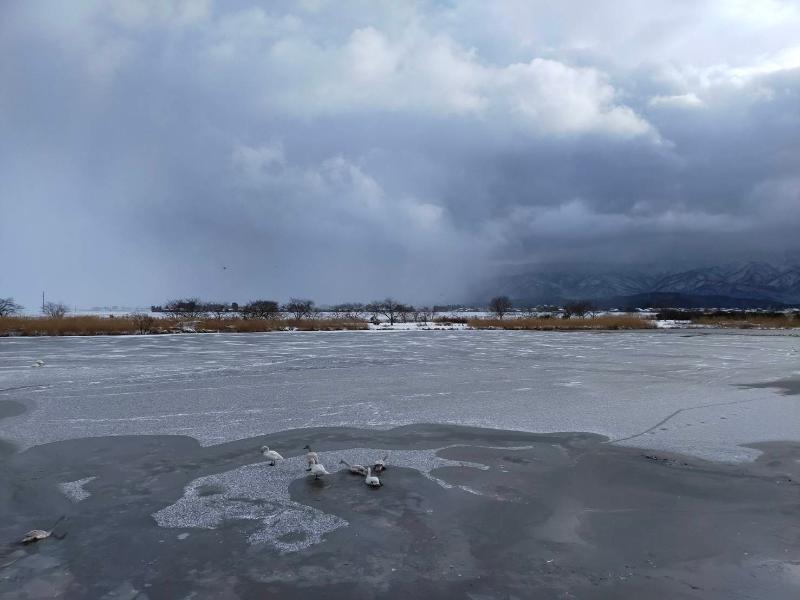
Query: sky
x,y
355,150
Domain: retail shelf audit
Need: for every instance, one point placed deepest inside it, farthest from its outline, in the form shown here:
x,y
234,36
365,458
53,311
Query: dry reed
x,y
128,325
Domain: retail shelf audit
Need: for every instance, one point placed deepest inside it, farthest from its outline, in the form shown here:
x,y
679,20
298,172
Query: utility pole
x,y
42,300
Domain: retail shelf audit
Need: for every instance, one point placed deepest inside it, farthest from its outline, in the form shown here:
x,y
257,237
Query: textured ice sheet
x,y
674,391
259,492
74,489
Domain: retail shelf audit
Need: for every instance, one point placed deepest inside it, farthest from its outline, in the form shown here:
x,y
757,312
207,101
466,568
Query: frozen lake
x,y
676,391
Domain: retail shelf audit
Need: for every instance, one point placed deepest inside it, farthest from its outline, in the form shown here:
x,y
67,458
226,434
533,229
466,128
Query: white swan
x,y
371,480
354,469
311,456
38,363
380,464
270,455
317,470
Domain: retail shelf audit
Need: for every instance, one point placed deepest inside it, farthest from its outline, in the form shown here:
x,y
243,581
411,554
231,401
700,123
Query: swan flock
x,y
317,469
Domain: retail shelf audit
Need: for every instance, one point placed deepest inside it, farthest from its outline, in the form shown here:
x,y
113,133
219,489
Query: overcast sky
x,y
353,150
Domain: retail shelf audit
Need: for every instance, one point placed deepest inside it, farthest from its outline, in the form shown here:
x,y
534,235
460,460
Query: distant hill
x,y
675,300
742,285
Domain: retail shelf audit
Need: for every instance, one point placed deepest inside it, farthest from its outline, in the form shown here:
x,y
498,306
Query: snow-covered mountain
x,y
753,280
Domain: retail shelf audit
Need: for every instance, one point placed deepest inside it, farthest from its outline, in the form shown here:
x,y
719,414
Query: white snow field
x,y
669,390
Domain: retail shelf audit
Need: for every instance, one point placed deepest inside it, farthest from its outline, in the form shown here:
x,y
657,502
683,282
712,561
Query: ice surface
x,y
74,489
222,387
259,492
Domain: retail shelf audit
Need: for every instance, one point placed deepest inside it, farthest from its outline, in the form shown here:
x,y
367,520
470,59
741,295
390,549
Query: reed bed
x,y
82,325
610,322
451,320
128,325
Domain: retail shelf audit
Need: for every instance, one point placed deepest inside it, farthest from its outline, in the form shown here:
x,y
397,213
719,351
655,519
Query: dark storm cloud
x,y
358,150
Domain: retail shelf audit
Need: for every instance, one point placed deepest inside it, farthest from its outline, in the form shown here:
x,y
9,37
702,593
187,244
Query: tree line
x,y
389,309
297,308
500,306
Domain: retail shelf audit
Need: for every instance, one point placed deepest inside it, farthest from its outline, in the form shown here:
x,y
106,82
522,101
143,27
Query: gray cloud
x,y
372,148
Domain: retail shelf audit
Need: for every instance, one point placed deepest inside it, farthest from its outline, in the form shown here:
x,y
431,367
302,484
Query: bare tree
x,y
406,313
500,305
55,310
8,307
300,308
578,308
189,308
142,322
424,314
350,310
259,309
374,309
218,309
389,308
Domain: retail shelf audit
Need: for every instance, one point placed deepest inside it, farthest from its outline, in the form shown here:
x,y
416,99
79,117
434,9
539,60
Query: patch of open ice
x,y
74,489
259,492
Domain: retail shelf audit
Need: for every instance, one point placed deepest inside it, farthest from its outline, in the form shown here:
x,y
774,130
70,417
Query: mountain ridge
x,y
757,281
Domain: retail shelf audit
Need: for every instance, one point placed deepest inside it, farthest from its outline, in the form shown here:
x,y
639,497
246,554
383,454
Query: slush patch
x,y
259,492
74,489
